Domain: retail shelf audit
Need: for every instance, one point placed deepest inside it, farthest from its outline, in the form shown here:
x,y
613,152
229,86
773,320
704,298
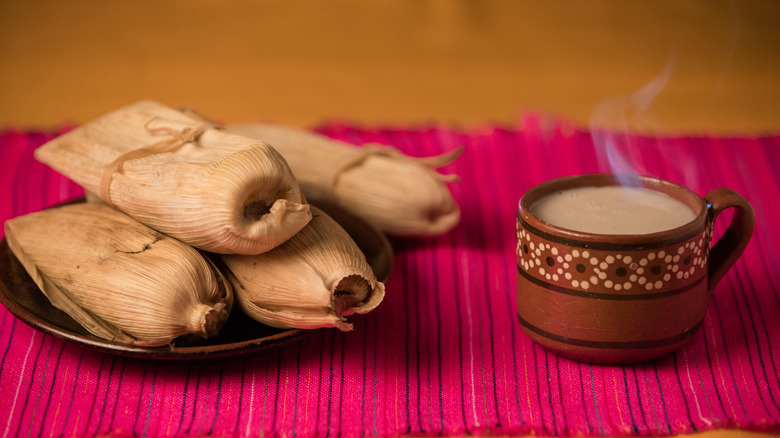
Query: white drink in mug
x,y
612,210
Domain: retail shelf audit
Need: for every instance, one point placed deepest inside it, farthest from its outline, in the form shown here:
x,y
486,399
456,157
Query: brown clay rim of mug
x,y
661,238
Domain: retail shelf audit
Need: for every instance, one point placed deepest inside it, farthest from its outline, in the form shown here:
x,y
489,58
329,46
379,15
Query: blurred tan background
x,y
667,66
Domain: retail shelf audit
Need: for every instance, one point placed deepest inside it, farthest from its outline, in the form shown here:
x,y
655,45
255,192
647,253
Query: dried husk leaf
x,y
398,194
119,279
179,174
313,280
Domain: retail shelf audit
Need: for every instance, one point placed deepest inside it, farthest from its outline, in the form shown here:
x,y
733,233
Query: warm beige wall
x,y
396,61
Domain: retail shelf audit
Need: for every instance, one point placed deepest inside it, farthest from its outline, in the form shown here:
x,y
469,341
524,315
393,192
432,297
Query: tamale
x,y
178,173
118,278
398,194
313,280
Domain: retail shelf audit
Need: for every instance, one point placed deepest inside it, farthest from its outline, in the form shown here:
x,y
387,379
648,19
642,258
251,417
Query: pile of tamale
x,y
185,217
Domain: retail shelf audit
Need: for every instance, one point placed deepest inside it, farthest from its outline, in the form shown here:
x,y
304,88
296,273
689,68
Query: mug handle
x,y
730,246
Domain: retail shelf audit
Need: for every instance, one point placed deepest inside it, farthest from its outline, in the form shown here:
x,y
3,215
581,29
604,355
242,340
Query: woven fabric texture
x,y
444,353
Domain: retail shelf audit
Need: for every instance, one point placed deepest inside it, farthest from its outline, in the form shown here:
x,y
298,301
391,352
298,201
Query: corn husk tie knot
x,y
374,149
178,138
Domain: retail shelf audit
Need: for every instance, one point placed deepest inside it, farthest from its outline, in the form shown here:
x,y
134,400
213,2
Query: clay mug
x,y
623,298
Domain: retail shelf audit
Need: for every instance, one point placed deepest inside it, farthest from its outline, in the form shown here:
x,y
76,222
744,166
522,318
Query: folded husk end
x,y
211,319
352,294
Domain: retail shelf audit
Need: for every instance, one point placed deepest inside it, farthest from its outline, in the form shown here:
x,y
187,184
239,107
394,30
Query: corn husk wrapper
x,y
178,173
313,280
119,279
398,194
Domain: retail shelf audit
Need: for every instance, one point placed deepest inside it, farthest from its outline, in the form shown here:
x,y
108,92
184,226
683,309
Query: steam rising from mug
x,y
625,114
618,150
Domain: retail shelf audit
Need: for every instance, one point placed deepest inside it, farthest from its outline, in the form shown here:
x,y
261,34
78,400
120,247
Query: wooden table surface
x,y
668,67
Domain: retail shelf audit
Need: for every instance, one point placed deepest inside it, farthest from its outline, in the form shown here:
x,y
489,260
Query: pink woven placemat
x,y
444,354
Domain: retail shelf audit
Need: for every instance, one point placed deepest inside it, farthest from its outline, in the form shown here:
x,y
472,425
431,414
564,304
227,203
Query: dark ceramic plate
x,y
241,336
